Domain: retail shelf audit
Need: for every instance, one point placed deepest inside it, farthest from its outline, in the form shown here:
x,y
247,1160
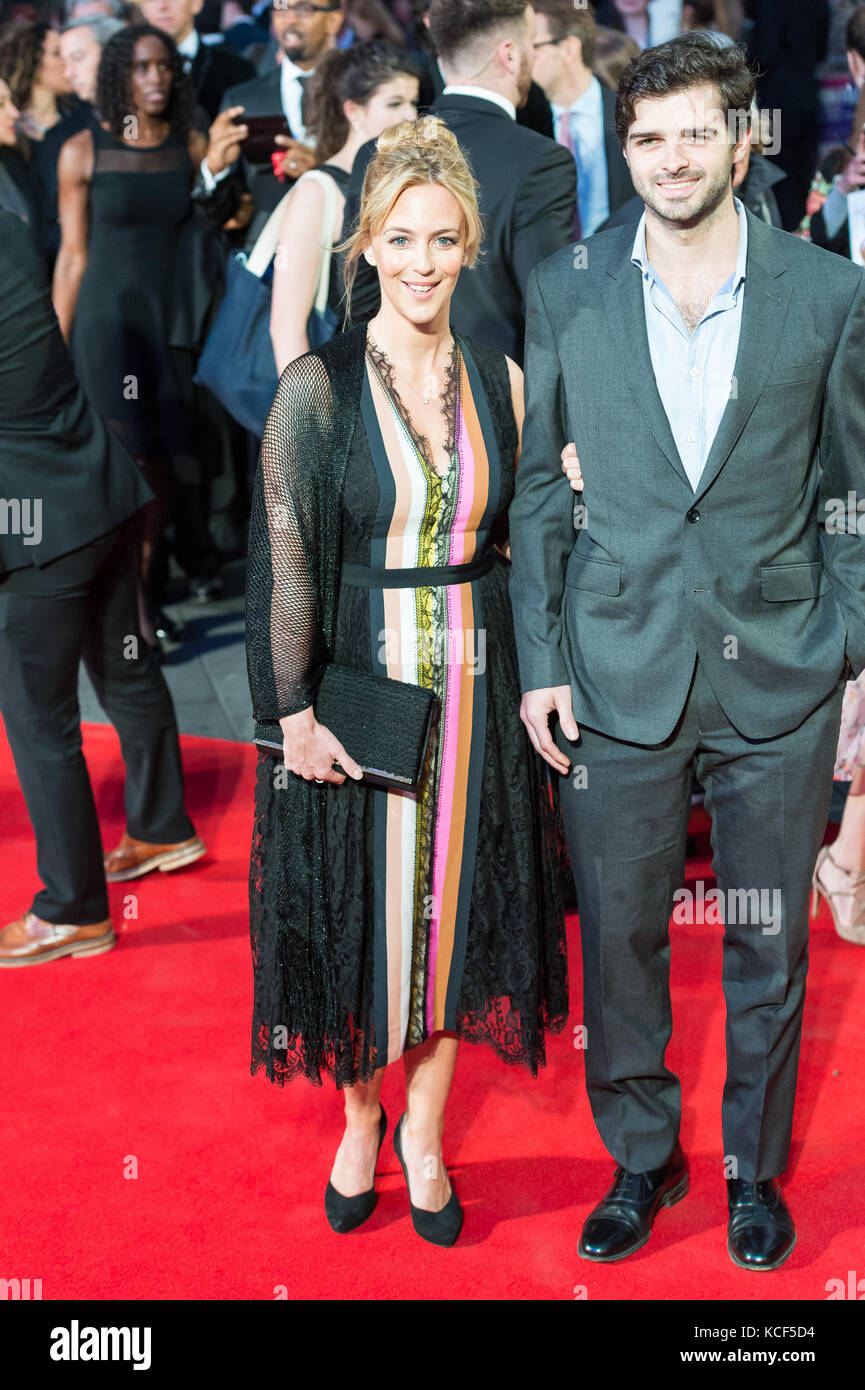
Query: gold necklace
x,y
421,397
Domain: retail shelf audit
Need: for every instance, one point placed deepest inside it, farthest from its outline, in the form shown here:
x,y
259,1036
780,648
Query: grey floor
x,y
207,672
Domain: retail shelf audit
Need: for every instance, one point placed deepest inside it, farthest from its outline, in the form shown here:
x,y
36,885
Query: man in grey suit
x,y
694,618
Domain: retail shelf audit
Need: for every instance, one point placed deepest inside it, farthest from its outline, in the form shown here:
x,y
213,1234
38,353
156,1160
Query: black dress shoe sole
x,y
776,1264
669,1199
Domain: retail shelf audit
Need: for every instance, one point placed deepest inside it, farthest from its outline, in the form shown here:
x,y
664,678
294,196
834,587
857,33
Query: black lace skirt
x,y
513,985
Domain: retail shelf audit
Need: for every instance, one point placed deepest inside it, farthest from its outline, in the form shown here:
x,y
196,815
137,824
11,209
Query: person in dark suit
x,y
527,182
788,41
213,67
692,620
306,30
534,113
584,110
67,590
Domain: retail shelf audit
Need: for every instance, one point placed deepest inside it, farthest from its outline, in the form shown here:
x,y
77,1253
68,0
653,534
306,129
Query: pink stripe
x,y
444,803
467,477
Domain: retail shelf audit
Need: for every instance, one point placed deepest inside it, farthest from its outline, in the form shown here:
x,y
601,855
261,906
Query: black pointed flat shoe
x,y
347,1213
761,1233
438,1227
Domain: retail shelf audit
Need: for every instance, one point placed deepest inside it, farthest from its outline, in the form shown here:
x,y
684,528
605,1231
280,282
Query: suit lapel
x,y
764,313
630,348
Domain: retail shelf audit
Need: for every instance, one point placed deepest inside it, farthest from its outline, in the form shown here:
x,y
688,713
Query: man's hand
x,y
535,711
298,158
571,466
223,140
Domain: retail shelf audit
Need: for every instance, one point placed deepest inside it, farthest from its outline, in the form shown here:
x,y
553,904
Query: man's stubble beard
x,y
713,197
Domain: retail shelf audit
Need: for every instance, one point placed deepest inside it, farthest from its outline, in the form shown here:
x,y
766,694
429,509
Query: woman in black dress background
x,y
124,198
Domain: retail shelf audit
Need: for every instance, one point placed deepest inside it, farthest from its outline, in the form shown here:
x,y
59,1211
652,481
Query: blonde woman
x,y
356,93
386,925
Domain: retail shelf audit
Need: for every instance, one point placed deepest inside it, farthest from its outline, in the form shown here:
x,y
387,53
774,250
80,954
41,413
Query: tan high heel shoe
x,y
854,930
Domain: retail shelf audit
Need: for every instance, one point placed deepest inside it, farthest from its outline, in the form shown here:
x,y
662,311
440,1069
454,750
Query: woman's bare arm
x,y
74,172
295,271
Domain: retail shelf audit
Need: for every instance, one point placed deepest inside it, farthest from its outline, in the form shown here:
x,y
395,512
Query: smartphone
x,y
260,143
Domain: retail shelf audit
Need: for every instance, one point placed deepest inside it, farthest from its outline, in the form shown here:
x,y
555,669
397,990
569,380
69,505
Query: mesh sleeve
x,y
285,643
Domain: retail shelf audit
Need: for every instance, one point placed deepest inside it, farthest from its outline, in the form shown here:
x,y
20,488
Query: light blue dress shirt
x,y
694,371
586,118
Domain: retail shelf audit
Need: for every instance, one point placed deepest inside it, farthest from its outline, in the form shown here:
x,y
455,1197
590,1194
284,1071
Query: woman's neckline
x,y
135,144
449,398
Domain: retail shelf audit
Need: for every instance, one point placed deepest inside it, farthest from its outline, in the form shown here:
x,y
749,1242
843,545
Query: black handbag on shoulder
x,y
385,725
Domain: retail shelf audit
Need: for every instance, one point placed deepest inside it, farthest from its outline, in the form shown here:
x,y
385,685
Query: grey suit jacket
x,y
620,606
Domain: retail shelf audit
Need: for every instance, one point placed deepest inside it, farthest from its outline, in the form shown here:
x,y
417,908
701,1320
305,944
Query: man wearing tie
x,y
583,110
305,31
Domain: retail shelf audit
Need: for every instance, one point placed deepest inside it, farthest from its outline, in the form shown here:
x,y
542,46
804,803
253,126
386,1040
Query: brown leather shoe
x,y
30,940
132,858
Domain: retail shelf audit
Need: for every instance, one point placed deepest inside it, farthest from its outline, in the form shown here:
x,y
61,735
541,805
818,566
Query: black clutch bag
x,y
385,725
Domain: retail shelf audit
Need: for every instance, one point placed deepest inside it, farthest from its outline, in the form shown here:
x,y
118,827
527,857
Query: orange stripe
x,y
481,470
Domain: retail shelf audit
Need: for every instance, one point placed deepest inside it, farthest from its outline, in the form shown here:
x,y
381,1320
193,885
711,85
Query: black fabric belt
x,y
361,577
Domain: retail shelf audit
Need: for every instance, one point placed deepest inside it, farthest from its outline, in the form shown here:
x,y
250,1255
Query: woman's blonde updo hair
x,y
407,155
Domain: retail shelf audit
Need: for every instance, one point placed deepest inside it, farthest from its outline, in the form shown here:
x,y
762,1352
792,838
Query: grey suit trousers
x,y
626,809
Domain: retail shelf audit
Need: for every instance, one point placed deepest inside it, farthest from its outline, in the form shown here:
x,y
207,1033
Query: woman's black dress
x,y
445,907
139,201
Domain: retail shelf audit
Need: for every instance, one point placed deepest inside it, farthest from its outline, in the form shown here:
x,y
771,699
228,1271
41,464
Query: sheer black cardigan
x,y
292,588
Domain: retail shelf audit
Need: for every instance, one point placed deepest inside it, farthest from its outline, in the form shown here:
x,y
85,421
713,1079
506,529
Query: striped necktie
x,y
565,136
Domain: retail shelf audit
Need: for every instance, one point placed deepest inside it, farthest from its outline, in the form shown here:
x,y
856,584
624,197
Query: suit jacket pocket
x,y
788,374
784,582
600,576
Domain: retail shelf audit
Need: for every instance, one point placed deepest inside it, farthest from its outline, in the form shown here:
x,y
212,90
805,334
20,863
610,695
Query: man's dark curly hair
x,y
114,82
687,61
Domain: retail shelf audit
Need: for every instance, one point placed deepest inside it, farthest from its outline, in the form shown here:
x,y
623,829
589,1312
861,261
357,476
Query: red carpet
x,y
136,1062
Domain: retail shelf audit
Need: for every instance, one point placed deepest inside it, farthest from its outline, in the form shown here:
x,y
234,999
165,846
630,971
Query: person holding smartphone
x,y
305,32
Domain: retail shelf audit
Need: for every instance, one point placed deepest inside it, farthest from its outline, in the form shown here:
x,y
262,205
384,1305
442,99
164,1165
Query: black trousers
x,y
84,605
626,808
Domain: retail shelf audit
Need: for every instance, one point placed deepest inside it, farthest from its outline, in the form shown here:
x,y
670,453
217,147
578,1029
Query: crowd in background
x,y
146,187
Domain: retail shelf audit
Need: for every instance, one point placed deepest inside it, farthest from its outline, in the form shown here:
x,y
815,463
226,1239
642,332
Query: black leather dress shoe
x,y
622,1222
761,1233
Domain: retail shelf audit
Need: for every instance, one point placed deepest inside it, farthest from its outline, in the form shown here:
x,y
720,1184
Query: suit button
x,y
693,514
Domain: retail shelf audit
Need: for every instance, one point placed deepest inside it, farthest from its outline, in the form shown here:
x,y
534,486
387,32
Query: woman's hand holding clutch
x,y
310,750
